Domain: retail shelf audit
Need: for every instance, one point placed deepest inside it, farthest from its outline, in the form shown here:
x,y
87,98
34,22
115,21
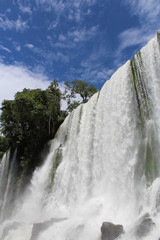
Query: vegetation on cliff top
x,y
33,117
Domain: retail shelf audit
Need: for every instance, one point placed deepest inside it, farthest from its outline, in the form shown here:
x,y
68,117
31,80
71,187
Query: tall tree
x,y
54,95
33,117
77,87
29,121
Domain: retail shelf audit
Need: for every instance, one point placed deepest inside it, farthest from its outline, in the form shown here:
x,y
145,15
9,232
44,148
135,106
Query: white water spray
x,y
108,150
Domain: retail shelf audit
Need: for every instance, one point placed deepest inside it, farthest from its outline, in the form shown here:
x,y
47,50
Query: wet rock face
x,y
144,226
111,231
42,226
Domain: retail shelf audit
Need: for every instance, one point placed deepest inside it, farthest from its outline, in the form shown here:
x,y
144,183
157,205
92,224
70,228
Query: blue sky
x,y
42,40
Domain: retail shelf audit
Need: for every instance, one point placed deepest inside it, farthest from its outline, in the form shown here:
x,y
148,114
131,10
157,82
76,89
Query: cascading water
x,y
4,171
107,153
7,178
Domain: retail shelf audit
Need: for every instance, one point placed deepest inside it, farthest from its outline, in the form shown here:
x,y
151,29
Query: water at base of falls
x,y
109,167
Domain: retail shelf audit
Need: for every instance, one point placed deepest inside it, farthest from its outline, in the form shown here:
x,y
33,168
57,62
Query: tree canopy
x,y
30,114
28,122
78,87
33,117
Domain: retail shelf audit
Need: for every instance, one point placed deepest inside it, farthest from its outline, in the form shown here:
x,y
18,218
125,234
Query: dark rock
x,y
144,226
111,231
42,226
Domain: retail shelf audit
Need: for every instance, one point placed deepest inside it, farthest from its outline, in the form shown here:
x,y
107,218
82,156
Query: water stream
x,y
108,152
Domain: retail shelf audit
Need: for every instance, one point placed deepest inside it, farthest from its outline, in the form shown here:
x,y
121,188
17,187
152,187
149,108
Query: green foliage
x,y
4,145
33,117
73,105
77,87
56,162
53,107
28,122
151,155
143,101
83,89
31,113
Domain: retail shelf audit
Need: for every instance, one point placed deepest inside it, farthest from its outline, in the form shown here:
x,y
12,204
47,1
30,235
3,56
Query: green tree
x,y
29,121
33,117
77,87
53,111
4,145
83,89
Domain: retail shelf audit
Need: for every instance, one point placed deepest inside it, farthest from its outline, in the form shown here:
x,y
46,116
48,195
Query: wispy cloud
x,y
62,38
24,6
132,37
61,48
25,9
29,45
73,37
82,34
17,46
48,55
92,69
73,10
7,24
59,56
147,10
5,48
61,5
95,72
148,15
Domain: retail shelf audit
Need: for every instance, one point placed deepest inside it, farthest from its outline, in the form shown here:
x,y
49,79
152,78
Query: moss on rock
x,y
56,162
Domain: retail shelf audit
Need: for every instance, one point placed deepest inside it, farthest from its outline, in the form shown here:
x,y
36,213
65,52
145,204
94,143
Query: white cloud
x,y
29,45
57,5
16,78
91,71
8,10
48,55
72,9
74,36
92,68
132,37
25,6
148,15
147,10
16,45
64,104
64,45
61,5
62,37
24,9
5,49
7,24
18,48
82,34
94,73
62,57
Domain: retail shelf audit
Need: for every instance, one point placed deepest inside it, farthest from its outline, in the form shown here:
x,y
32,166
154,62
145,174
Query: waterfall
x,y
4,171
103,164
7,180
